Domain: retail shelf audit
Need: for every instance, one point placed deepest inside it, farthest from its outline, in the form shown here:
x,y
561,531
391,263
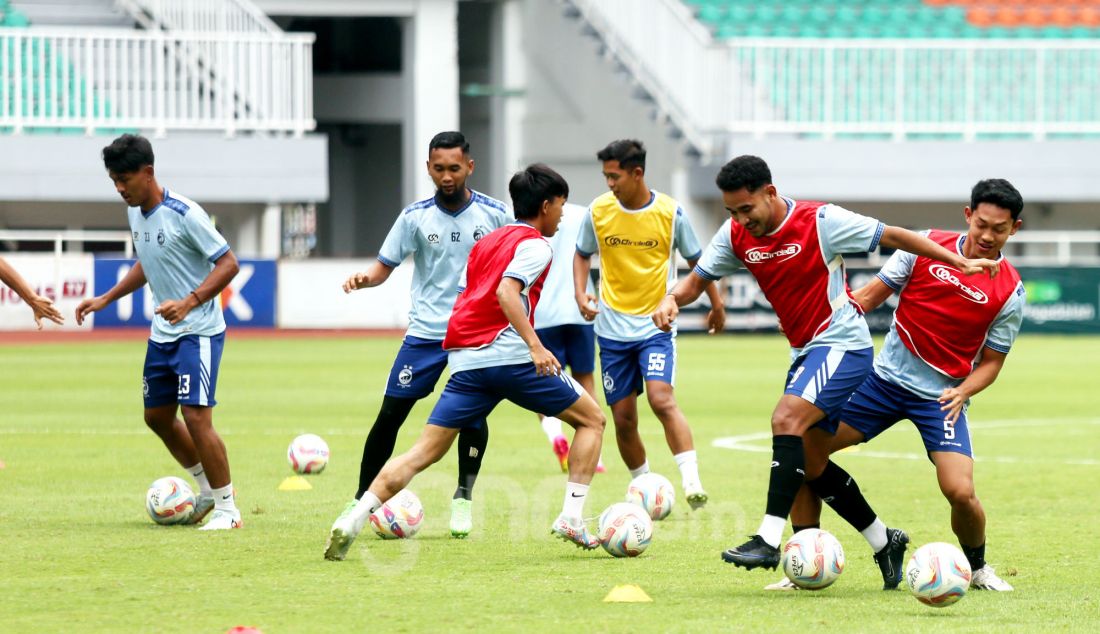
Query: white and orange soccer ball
x,y
308,453
938,574
654,493
813,559
625,530
170,500
399,518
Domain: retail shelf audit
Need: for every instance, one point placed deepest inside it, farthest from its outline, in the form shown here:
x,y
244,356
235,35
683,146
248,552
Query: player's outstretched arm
x,y
375,274
984,374
716,317
225,269
686,291
42,307
508,295
898,238
872,294
133,280
586,303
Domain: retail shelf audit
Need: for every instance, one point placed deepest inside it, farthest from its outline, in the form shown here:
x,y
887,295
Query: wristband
x,y
197,297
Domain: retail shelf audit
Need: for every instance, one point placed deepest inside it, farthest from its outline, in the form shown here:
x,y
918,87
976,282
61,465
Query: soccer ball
x,y
307,453
938,574
399,517
813,559
625,530
170,500
652,492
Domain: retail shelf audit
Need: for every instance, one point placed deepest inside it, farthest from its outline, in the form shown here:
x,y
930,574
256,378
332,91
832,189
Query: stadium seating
x,y
41,96
900,18
916,19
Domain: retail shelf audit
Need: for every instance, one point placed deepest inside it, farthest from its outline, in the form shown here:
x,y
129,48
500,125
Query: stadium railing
x,y
205,16
65,78
829,87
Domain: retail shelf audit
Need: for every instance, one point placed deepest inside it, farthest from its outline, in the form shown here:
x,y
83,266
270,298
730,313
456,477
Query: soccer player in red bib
x,y
494,354
949,340
794,250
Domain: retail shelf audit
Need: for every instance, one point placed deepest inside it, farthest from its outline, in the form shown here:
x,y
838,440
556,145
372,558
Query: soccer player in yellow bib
x,y
635,230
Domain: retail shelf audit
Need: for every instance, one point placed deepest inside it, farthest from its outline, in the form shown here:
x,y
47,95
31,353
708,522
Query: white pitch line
x,y
742,443
144,432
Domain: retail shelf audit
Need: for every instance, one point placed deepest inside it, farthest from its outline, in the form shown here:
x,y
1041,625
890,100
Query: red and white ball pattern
x,y
307,453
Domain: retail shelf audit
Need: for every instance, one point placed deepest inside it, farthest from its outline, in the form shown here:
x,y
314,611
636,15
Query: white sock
x,y
551,427
573,508
223,499
875,534
771,530
199,474
367,504
634,473
689,468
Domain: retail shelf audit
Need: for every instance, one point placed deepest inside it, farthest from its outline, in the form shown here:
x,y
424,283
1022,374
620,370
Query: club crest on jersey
x,y
757,255
631,243
160,237
433,238
405,376
948,275
479,233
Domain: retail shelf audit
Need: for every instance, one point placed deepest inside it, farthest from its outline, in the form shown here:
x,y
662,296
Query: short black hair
x,y
128,153
997,191
746,171
448,140
533,185
630,153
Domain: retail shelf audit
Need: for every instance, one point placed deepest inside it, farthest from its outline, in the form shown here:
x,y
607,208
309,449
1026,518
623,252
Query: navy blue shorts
x,y
417,368
827,377
183,371
878,404
470,395
627,365
573,345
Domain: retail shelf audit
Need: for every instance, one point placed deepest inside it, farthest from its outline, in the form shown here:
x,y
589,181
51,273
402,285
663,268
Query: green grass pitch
x,y
79,554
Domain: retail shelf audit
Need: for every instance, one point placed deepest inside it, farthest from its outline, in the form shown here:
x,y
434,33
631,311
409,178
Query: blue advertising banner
x,y
248,301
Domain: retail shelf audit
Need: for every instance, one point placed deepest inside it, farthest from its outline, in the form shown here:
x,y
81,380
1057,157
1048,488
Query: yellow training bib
x,y
635,252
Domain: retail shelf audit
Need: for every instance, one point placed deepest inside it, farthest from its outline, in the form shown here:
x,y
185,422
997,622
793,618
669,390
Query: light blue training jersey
x,y
557,304
177,245
899,366
612,324
440,242
839,231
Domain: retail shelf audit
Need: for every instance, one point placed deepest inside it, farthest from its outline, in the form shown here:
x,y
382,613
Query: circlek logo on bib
x,y
948,275
757,255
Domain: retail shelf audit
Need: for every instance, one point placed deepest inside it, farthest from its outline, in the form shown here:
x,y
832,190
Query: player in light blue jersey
x,y
187,264
41,307
438,233
561,327
636,231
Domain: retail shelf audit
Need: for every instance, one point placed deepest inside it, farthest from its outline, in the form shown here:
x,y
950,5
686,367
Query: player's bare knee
x,y
662,403
786,424
960,494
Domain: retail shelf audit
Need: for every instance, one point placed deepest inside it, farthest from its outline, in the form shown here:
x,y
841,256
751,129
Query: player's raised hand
x,y
44,309
545,362
587,304
666,313
952,401
356,282
87,307
971,267
174,310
